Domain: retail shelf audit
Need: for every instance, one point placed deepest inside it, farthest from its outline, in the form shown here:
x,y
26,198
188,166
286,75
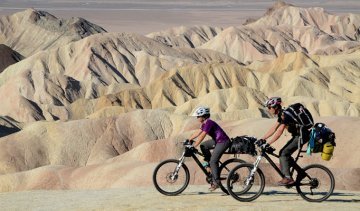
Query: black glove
x,y
189,143
265,146
260,142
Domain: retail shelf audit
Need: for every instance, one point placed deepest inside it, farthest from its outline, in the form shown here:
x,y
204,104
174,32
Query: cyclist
x,y
219,142
284,121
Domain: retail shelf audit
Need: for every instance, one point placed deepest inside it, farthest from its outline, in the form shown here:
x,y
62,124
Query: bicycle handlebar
x,y
188,142
261,143
189,145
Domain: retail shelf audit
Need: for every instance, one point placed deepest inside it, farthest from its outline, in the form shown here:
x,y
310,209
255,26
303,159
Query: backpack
x,y
243,145
300,115
322,139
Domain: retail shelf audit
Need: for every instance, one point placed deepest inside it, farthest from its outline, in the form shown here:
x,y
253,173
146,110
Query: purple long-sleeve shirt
x,y
214,131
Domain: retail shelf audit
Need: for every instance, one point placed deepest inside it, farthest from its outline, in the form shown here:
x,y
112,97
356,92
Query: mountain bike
x,y
314,183
171,177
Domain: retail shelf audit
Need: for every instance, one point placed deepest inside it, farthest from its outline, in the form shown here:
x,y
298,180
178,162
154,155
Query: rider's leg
x,y
205,147
219,150
286,159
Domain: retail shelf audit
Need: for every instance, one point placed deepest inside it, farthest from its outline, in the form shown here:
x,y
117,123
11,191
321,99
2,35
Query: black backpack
x,y
243,145
300,115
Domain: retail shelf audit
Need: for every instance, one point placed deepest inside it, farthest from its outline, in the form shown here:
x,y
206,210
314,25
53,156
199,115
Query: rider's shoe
x,y
213,187
286,181
206,166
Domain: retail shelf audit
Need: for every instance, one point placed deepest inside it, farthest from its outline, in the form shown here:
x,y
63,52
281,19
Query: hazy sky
x,y
141,16
331,5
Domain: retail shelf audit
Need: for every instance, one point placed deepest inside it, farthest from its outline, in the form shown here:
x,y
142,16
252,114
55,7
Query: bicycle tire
x,y
243,195
315,180
225,169
158,179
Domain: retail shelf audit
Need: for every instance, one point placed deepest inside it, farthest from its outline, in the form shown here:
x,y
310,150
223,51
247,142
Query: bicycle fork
x,y
250,178
176,171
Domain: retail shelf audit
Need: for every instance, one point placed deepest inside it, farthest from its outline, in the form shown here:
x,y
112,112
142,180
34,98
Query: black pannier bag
x,y
243,145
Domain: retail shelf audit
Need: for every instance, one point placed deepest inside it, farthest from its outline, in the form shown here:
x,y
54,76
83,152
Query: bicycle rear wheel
x,y
243,185
225,169
171,179
317,184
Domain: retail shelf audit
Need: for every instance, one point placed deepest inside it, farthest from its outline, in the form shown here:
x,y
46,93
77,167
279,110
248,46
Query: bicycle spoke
x,y
243,185
225,169
318,185
169,179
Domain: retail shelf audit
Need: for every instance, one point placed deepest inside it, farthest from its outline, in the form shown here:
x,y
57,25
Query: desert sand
x,y
193,198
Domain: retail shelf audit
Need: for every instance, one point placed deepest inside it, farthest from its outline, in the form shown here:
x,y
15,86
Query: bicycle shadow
x,y
205,193
291,192
331,199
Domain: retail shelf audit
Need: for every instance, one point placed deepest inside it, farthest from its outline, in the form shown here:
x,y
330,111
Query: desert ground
x,y
196,197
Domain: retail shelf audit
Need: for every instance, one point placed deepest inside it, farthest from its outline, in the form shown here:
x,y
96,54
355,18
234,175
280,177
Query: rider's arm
x,y
271,131
195,135
278,133
200,138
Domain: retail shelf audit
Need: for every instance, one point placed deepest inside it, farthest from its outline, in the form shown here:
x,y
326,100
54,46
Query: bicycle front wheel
x,y
316,184
225,169
171,179
245,185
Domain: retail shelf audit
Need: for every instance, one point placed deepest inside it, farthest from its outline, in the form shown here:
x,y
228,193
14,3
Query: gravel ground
x,y
147,198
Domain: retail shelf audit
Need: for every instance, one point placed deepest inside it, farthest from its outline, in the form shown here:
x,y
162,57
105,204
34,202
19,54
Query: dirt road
x,y
147,198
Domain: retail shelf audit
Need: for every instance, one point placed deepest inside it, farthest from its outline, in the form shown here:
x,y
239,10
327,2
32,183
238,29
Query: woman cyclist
x,y
219,142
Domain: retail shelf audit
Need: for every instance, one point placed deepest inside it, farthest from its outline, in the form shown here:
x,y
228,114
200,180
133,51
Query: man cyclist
x,y
219,142
285,120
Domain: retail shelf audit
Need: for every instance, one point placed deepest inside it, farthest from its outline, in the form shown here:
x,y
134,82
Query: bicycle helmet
x,y
273,102
201,111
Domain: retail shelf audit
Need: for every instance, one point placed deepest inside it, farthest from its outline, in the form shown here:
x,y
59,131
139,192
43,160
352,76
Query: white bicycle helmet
x,y
201,111
273,101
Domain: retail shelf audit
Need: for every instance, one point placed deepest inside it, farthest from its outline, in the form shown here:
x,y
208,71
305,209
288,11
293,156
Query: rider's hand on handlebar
x,y
191,146
189,143
265,146
260,142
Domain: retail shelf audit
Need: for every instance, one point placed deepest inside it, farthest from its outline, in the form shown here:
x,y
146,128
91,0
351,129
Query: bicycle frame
x,y
197,161
200,165
190,151
294,165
